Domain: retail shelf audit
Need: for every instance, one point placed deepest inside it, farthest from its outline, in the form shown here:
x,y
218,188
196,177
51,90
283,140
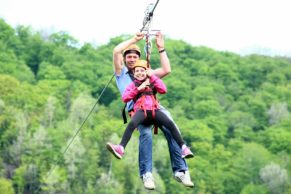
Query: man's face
x,y
130,60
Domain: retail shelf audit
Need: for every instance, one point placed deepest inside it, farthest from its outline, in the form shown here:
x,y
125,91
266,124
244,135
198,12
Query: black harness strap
x,y
124,114
130,73
149,92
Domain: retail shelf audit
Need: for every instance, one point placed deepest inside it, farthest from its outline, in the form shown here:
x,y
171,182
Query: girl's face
x,y
140,73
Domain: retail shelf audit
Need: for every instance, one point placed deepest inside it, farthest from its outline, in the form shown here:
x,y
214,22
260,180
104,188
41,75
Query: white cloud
x,y
223,25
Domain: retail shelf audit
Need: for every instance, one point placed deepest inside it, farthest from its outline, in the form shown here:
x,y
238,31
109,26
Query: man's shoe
x,y
116,150
186,153
184,178
148,181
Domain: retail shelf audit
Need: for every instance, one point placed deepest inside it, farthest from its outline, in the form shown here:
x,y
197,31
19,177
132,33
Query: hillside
x,y
234,112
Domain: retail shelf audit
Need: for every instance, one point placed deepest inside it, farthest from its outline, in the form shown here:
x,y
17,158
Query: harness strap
x,y
149,92
124,114
154,107
142,107
130,113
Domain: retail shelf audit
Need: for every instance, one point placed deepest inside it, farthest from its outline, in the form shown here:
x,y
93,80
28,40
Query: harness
x,y
149,91
148,46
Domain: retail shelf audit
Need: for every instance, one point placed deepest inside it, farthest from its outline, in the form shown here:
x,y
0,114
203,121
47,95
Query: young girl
x,y
146,108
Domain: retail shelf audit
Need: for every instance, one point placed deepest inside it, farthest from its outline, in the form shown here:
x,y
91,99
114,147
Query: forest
x,y
233,111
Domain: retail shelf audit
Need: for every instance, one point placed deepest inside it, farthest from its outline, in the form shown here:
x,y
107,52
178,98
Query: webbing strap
x,y
124,114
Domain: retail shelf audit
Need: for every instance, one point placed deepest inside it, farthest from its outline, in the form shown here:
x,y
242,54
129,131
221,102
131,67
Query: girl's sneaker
x,y
116,150
186,153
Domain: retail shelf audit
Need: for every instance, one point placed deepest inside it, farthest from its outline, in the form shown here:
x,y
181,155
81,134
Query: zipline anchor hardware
x,y
149,12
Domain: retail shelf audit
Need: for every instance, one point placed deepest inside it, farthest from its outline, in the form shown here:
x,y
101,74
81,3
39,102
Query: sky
x,y
240,26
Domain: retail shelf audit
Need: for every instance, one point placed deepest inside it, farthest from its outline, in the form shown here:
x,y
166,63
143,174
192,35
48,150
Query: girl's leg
x,y
163,120
137,119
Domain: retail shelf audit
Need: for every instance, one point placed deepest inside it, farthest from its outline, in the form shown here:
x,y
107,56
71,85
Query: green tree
x,y
9,86
224,73
19,179
108,184
240,125
6,186
246,166
232,110
254,189
206,108
259,110
54,181
50,72
277,139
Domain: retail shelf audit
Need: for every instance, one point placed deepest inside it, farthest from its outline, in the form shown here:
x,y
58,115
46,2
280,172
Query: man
x,y
125,55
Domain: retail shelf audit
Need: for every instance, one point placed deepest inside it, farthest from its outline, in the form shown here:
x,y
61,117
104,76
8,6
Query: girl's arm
x,y
130,92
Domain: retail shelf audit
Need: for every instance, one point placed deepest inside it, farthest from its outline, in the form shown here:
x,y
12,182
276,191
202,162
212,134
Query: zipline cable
x,y
149,12
148,15
79,129
146,26
148,45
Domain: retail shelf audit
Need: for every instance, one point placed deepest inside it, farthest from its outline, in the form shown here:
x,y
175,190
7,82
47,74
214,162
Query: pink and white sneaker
x,y
186,153
116,150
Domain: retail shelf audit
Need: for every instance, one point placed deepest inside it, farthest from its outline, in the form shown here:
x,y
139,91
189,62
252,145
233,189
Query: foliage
x,y
233,111
6,186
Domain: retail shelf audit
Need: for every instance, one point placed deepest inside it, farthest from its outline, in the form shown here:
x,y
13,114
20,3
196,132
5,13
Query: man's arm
x,y
117,52
158,84
165,68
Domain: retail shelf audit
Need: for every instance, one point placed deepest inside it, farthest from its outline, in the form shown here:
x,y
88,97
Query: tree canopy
x,y
234,111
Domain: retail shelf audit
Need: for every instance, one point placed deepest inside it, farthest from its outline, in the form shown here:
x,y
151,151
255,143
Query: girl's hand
x,y
144,84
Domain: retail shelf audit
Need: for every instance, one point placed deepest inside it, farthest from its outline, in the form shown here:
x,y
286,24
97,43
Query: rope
x,y
79,129
148,15
146,27
148,47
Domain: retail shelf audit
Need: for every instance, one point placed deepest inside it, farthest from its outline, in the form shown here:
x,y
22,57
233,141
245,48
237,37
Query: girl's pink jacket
x,y
131,92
